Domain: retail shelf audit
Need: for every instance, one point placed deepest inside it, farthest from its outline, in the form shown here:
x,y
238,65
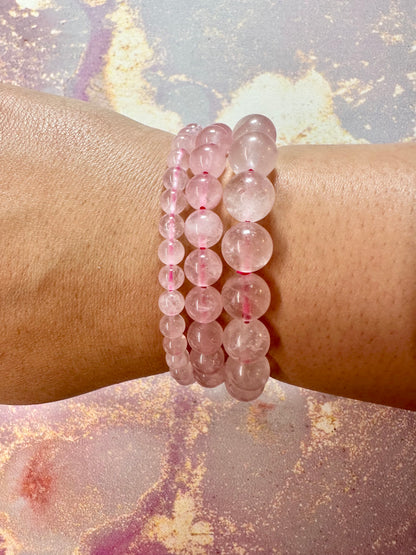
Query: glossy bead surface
x,y
178,158
175,178
173,202
186,137
172,326
205,338
207,158
210,380
204,191
171,252
203,267
216,134
177,361
171,226
183,375
247,247
248,375
255,151
207,364
246,342
171,277
242,394
255,122
246,296
203,304
175,345
203,228
249,196
171,302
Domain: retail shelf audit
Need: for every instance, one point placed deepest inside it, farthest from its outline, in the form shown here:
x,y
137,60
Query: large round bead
x,y
210,380
177,361
203,228
246,341
172,326
207,364
203,191
208,158
255,151
183,375
249,196
216,134
203,304
186,137
205,338
247,375
247,247
246,296
175,345
171,302
203,267
254,122
241,394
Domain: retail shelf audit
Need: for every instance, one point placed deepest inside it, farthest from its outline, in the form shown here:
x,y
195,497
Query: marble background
x,y
148,467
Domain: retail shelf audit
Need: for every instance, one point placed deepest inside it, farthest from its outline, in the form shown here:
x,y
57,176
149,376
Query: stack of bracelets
x,y
246,247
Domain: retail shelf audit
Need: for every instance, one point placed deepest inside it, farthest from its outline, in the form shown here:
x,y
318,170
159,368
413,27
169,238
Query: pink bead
x,y
171,226
171,277
247,247
177,361
242,394
226,127
172,326
171,252
175,178
246,342
171,302
203,304
207,158
173,202
203,267
254,122
248,375
178,159
175,345
246,296
210,380
203,228
183,375
207,364
204,191
186,137
255,151
249,196
205,338
215,134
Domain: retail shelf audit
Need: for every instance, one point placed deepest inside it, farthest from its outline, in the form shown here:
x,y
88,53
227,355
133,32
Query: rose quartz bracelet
x,y
246,247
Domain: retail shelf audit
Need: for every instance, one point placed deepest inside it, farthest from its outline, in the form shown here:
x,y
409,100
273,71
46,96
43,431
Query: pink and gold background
x,y
148,467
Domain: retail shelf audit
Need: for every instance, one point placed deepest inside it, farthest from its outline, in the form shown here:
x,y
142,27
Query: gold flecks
x,y
398,90
35,4
323,419
411,76
351,89
128,57
10,546
94,3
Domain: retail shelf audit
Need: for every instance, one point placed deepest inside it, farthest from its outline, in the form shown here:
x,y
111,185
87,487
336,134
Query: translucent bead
x,y
254,122
208,158
204,191
247,247
171,302
246,342
178,158
177,361
171,277
171,226
215,134
183,375
255,151
171,252
175,178
246,296
203,304
175,345
210,380
248,375
226,127
205,338
242,394
172,326
173,202
203,267
207,364
203,228
186,137
249,196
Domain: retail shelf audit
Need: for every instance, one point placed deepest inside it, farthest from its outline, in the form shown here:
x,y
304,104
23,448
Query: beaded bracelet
x,y
246,247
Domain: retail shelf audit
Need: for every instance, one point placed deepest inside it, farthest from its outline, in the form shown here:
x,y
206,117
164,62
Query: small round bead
x,y
172,326
204,191
171,252
175,345
254,122
203,267
178,158
177,361
255,151
203,304
249,196
247,247
173,202
246,296
171,302
171,226
175,178
248,375
205,338
215,134
242,394
186,137
203,228
207,364
183,375
207,158
171,277
210,380
246,341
